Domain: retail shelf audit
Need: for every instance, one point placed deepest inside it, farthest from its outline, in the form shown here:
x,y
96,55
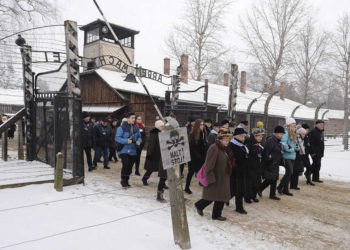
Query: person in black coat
x,y
208,125
189,126
317,149
198,148
102,140
255,162
142,129
239,173
87,138
11,131
306,159
153,161
272,156
113,144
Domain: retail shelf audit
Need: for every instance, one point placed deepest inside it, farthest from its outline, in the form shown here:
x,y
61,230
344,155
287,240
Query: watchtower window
x,y
127,42
92,35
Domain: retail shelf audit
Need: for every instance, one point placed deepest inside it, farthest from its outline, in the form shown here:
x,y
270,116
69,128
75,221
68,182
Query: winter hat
x,y
104,119
216,124
290,121
260,124
301,131
224,122
239,131
279,129
305,126
258,131
224,134
85,114
319,121
191,119
159,124
244,122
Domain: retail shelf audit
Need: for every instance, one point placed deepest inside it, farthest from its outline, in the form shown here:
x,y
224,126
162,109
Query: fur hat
x,y
290,121
239,131
279,129
258,131
319,121
301,131
159,124
224,134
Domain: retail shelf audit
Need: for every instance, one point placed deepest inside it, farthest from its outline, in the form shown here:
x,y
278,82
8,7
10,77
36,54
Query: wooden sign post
x,y
175,150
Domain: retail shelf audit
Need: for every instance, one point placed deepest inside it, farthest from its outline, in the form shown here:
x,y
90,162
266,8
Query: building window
x,y
126,42
92,35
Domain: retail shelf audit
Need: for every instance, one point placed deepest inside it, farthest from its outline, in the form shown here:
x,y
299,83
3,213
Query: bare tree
x,y
199,35
21,12
270,28
308,55
341,41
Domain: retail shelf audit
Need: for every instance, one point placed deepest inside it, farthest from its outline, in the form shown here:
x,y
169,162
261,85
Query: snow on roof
x,y
11,96
218,95
100,109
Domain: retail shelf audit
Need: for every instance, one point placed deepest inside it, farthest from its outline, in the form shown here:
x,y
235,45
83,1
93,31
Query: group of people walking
x,y
243,165
236,162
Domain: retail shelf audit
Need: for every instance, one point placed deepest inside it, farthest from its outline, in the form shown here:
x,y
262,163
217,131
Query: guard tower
x,y
99,41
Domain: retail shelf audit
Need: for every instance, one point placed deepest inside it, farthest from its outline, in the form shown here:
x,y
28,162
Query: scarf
x,y
140,125
240,144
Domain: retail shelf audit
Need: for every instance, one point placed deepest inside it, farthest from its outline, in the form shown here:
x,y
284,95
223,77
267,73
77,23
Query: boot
x,y
137,173
165,186
144,181
241,211
220,218
275,198
160,197
124,183
188,190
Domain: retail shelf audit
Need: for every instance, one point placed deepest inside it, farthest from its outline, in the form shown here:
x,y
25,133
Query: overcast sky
x,y
155,18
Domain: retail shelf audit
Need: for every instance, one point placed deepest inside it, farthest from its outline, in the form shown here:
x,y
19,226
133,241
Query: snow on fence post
x,y
4,145
59,172
20,140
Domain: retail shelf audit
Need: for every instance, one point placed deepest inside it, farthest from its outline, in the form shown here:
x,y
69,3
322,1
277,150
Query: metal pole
x,y
59,172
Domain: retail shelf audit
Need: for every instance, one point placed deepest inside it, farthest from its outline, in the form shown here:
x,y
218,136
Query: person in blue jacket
x,y
289,148
129,139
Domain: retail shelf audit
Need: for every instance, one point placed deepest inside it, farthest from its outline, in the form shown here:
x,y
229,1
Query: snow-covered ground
x,y
101,215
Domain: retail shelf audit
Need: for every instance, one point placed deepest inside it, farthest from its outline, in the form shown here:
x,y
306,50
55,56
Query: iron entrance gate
x,y
55,132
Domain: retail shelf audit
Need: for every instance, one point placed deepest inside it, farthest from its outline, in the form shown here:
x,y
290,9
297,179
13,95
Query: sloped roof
x,y
11,97
218,95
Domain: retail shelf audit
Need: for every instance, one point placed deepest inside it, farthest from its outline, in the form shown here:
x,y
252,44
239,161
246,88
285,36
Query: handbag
x,y
201,176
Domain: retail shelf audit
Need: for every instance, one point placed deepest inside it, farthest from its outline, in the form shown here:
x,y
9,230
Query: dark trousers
x,y
127,162
137,160
316,167
100,151
217,208
191,172
112,154
284,183
88,156
273,185
161,184
147,174
294,180
239,202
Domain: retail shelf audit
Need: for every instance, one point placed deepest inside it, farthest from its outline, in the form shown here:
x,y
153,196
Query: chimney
x,y
226,79
282,90
243,86
166,66
184,72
